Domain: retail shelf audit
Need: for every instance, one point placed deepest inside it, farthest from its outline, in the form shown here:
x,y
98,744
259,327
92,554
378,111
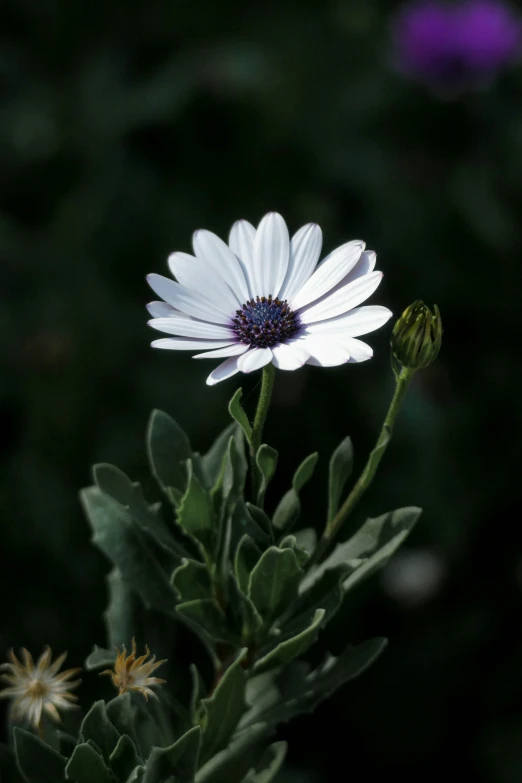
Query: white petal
x,y
217,254
290,356
325,352
192,302
271,255
342,300
305,249
359,351
364,266
241,241
161,309
225,370
329,272
254,359
187,327
360,320
187,344
197,275
233,350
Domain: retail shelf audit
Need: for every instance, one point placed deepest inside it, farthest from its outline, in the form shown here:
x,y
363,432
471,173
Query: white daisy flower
x,y
261,299
37,688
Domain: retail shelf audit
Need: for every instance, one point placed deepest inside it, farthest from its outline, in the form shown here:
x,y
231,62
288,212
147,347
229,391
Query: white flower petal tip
x,y
262,297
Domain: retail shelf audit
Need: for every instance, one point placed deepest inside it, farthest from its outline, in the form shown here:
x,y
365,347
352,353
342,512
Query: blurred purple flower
x,y
456,45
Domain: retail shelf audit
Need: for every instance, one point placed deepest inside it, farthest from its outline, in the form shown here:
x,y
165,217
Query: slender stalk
x,y
265,395
365,479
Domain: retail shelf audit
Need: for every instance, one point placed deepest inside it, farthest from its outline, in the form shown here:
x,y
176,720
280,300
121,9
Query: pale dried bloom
x,y
37,688
133,674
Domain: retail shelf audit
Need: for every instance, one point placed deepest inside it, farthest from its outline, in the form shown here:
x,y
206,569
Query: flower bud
x,y
416,336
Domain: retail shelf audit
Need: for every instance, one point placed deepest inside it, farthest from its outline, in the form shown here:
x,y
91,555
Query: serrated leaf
x,y
87,766
224,708
274,582
168,449
247,555
127,547
100,658
97,727
238,414
241,612
298,690
196,513
191,581
266,461
291,648
340,469
205,616
370,548
38,762
270,764
124,759
178,762
243,522
289,508
9,772
113,482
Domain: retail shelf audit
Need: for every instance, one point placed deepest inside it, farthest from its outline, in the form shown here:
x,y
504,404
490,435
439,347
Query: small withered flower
x,y
133,674
38,688
417,336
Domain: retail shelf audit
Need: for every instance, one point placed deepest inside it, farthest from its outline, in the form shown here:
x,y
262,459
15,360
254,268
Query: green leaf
x,y
238,414
274,582
341,466
289,508
205,616
287,650
100,658
306,539
97,727
241,612
232,764
178,762
113,482
247,555
120,713
370,548
266,461
290,542
192,581
262,520
198,693
298,690
136,775
168,449
86,766
224,708
127,547
214,459
124,759
196,513
38,762
326,593
235,472
270,764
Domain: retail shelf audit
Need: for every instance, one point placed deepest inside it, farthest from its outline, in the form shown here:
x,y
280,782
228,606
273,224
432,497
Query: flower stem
x,y
365,479
265,395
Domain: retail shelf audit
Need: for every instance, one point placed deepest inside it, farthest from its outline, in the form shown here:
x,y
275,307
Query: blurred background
x,y
125,127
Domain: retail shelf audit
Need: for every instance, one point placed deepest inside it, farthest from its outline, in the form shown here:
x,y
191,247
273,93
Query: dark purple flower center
x,y
264,322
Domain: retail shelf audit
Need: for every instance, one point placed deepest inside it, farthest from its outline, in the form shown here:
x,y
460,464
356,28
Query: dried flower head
x,y
133,674
37,688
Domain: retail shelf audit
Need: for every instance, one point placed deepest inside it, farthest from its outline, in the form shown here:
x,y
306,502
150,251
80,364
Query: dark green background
x,y
126,126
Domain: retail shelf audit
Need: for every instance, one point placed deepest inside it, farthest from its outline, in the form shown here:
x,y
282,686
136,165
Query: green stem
x,y
265,395
365,479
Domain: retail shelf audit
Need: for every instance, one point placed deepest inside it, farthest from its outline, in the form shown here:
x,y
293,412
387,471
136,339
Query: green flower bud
x,y
417,336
